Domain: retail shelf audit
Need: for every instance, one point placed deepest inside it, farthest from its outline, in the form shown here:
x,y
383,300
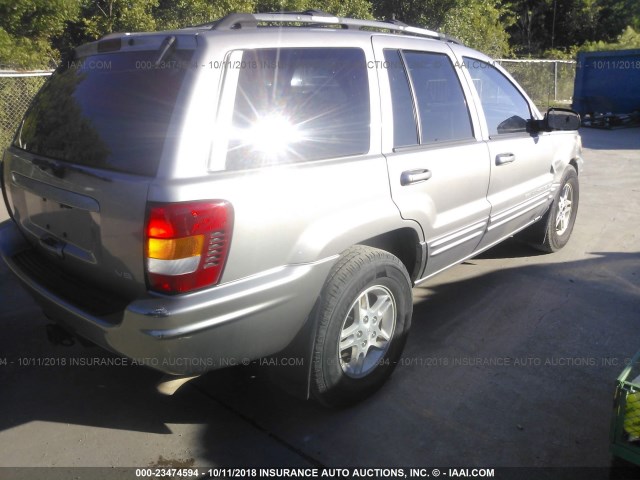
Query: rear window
x,y
108,111
298,104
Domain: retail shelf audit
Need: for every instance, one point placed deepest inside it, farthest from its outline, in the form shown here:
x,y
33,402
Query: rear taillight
x,y
186,244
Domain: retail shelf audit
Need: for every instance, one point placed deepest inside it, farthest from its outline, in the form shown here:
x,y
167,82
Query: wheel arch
x,y
575,163
403,243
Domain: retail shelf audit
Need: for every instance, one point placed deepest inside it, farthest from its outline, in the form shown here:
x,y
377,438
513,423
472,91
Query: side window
x,y
442,109
505,109
299,104
404,121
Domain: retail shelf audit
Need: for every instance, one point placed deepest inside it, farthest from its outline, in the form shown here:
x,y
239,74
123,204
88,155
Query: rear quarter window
x,y
297,105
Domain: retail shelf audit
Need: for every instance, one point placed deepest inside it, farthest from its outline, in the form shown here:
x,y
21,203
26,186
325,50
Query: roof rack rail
x,y
235,21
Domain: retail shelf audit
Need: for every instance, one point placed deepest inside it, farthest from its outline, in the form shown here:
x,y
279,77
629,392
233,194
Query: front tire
x,y
363,317
553,230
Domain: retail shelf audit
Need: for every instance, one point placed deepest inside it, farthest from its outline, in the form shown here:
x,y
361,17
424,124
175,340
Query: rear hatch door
x,y
78,172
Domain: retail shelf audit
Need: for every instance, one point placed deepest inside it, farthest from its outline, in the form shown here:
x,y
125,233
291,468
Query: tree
x,y
100,17
629,39
33,33
480,24
171,14
342,8
576,21
528,32
562,25
427,13
29,29
615,15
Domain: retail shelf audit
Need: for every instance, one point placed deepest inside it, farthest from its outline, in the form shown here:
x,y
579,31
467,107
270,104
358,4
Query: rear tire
x,y
363,317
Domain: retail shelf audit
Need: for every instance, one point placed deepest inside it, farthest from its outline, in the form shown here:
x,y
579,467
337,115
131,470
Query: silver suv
x,y
274,185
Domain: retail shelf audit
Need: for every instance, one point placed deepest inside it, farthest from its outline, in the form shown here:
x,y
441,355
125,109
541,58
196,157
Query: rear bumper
x,y
228,325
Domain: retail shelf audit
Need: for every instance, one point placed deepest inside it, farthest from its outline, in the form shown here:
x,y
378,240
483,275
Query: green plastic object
x,y
625,423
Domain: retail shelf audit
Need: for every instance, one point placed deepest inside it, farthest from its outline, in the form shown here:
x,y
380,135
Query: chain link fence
x,y
547,82
16,91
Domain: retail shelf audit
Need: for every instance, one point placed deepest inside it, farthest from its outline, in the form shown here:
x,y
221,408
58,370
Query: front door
x,y
521,177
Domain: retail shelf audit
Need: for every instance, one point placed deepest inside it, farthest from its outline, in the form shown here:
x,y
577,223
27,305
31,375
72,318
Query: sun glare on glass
x,y
272,135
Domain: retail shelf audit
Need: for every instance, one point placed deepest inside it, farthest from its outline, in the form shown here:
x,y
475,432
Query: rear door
x,y
80,166
438,165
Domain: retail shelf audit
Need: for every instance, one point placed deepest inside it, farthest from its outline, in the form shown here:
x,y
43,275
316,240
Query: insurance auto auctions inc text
x,y
371,472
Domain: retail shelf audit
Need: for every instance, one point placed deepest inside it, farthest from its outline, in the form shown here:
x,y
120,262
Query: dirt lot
x,y
511,362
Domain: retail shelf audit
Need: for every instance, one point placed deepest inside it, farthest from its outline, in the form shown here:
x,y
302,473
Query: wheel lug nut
x,y
366,319
364,344
373,334
359,334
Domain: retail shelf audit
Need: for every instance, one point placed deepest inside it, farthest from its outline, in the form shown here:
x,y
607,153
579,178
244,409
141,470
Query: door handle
x,y
503,158
414,176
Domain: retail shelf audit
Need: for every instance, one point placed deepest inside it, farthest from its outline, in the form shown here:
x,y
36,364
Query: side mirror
x,y
561,119
556,119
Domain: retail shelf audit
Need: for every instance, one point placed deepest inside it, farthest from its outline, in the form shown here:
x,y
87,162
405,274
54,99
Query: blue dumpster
x,y
607,82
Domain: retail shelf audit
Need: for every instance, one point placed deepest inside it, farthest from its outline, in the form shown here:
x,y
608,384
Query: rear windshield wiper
x,y
166,46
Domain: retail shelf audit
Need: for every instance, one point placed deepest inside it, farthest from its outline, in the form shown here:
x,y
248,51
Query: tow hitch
x,y
59,336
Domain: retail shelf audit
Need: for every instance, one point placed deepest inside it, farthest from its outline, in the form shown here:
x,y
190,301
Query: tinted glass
x,y
504,107
298,104
109,111
442,108
404,122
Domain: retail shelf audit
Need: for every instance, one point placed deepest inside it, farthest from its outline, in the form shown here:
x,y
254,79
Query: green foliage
x,y
479,24
29,27
560,54
544,25
34,18
426,13
171,14
615,15
342,8
33,33
20,53
100,17
629,39
528,29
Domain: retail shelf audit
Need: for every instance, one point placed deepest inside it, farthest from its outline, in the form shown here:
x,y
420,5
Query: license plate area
x,y
61,221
